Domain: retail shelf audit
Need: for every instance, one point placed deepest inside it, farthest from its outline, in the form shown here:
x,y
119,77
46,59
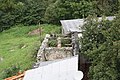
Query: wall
x,y
46,53
53,53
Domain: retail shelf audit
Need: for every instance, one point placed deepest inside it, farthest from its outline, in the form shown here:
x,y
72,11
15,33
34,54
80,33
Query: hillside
x,y
18,47
98,46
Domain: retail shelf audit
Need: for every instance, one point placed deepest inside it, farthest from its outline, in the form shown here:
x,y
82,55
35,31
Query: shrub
x,y
65,9
52,43
100,43
65,41
11,71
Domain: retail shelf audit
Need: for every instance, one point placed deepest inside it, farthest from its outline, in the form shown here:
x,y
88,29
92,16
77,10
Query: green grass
x,y
13,39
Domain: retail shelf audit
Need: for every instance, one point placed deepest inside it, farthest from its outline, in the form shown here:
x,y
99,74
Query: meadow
x,y
18,48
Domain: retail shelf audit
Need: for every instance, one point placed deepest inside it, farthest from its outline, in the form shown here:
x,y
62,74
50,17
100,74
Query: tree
x,y
106,7
7,5
68,9
100,43
26,12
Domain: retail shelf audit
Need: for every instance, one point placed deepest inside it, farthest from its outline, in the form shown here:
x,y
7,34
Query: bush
x,y
28,13
100,43
65,41
11,71
52,43
64,9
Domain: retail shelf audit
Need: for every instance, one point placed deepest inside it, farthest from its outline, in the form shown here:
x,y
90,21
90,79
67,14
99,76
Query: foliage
x,y
28,12
11,71
32,12
70,9
106,7
100,43
7,5
65,41
64,9
52,43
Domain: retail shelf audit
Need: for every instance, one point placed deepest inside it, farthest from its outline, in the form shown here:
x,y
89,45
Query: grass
x,y
12,41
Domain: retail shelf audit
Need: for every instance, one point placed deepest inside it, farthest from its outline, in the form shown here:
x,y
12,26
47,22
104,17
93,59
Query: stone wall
x,y
53,53
40,54
47,53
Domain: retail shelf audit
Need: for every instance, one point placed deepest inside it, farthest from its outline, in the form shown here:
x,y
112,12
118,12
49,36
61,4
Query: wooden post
x,y
40,32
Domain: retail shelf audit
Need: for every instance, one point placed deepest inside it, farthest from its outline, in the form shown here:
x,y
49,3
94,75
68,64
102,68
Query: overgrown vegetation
x,y
101,44
18,49
52,43
32,12
66,42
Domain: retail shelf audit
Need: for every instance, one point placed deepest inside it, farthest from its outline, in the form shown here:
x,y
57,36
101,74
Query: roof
x,y
66,69
75,25
71,25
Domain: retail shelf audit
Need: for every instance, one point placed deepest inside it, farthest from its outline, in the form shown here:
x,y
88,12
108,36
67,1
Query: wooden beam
x,y
20,76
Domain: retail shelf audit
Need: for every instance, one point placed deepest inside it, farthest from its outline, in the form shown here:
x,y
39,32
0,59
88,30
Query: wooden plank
x,y
15,77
